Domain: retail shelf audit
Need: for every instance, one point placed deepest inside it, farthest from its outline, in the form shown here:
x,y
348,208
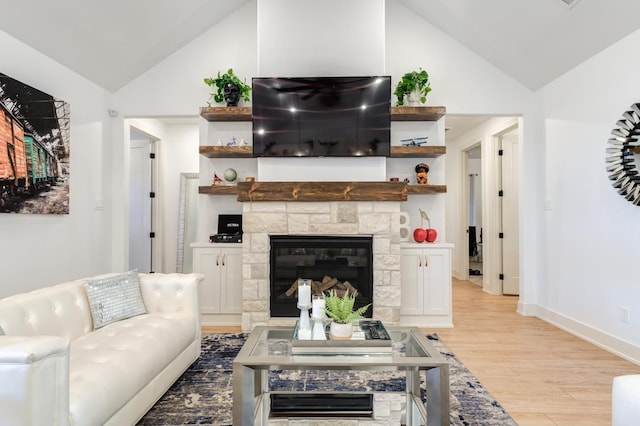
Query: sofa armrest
x,y
171,293
34,388
625,400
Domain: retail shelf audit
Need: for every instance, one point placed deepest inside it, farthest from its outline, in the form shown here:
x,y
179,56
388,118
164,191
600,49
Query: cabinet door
x,y
207,261
437,282
411,269
231,281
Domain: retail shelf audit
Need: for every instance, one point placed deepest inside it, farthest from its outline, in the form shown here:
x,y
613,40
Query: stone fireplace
x,y
261,220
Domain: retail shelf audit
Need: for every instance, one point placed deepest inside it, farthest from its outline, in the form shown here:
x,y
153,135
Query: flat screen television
x,y
321,116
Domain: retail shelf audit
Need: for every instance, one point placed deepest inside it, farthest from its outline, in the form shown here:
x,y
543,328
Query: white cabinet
x,y
221,289
426,285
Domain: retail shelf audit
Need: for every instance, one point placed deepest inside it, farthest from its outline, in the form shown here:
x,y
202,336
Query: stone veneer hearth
x,y
261,219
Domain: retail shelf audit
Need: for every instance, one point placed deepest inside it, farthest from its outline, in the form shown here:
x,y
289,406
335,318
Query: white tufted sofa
x,y
625,400
55,370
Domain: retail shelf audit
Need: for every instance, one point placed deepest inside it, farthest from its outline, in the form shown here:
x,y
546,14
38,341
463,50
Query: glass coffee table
x,y
270,348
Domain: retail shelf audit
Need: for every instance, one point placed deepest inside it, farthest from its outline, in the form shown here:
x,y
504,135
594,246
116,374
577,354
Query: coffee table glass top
x,y
409,346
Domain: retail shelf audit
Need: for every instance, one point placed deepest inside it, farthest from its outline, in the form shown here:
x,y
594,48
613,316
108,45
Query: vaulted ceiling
x,y
112,42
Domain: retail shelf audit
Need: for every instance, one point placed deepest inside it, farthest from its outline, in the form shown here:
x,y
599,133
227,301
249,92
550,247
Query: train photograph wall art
x,y
34,150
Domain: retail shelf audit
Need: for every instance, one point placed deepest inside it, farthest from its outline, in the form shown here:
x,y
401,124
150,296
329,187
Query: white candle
x,y
304,293
318,308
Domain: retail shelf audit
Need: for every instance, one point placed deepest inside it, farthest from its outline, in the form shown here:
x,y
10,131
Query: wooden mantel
x,y
322,191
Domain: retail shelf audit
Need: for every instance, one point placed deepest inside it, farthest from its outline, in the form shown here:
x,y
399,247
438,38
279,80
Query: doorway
x,y
474,215
142,192
489,195
501,252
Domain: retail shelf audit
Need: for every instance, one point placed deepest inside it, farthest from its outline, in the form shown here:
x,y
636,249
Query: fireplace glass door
x,y
340,263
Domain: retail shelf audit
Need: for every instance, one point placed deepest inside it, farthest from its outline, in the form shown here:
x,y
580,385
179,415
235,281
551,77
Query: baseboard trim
x,y
612,344
527,309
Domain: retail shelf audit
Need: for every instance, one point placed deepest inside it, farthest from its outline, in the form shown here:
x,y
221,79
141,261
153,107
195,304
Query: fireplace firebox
x,y
340,263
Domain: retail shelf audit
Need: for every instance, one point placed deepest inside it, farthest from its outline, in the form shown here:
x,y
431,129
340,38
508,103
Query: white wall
x,y
322,38
40,250
592,233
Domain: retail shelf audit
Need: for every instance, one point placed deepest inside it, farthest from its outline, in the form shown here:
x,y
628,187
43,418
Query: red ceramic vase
x,y
431,235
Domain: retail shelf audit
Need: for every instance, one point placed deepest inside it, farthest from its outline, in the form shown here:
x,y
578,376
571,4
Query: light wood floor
x,y
540,374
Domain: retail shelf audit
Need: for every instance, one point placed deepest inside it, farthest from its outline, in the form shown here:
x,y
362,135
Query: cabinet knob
x,y
426,261
217,260
419,260
223,259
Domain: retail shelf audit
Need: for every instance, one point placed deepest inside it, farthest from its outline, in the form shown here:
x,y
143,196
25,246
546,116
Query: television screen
x,y
321,116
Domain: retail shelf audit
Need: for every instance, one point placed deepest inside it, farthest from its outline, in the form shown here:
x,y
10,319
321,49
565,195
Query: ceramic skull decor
x,y
231,94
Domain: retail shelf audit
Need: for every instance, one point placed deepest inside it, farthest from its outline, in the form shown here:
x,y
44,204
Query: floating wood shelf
x,y
404,113
418,113
227,151
426,189
417,151
218,190
226,113
322,191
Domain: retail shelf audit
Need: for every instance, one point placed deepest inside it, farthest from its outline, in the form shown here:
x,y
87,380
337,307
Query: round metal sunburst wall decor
x,y
623,150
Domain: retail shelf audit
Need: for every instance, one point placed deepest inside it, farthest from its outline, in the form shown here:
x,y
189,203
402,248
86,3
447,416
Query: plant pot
x,y
341,331
413,98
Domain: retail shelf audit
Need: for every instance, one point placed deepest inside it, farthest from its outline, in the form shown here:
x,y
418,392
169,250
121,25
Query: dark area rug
x,y
203,394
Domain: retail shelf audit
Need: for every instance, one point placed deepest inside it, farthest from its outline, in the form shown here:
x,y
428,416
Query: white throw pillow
x,y
114,298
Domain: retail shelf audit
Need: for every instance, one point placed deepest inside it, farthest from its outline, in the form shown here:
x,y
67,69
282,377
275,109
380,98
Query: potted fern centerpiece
x,y
340,309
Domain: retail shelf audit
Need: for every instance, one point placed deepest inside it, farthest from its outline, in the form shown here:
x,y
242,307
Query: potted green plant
x,y
414,82
228,87
340,309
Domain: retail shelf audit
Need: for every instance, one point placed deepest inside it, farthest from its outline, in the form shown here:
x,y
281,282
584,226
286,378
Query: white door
x,y
511,240
140,188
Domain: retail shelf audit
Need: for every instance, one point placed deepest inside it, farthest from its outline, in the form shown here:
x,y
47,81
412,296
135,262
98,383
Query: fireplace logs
x,y
321,287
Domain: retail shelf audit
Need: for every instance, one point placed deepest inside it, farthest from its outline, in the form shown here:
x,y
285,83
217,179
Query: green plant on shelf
x,y
221,82
410,82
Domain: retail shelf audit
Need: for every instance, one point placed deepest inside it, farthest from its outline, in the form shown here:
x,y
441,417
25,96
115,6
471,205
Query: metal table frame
x,y
251,394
